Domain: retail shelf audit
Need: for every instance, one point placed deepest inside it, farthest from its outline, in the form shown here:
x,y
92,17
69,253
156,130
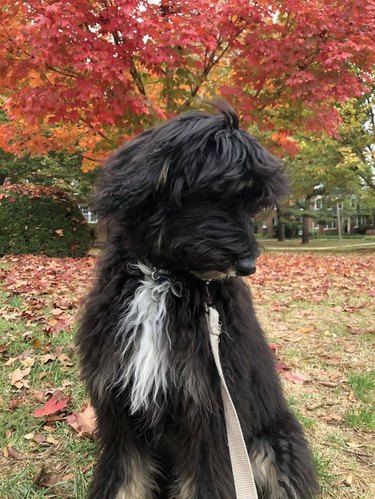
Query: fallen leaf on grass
x,y
57,311
296,377
36,343
358,330
274,346
84,422
28,362
65,360
334,360
332,416
296,339
10,451
17,378
354,445
328,384
54,404
50,440
39,438
281,366
305,330
45,479
48,357
348,481
14,403
20,357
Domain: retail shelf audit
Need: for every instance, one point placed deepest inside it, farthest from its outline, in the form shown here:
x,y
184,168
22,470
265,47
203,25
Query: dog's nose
x,y
246,266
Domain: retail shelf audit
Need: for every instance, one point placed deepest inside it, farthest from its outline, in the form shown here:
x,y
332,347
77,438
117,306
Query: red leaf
x,y
296,378
55,404
281,366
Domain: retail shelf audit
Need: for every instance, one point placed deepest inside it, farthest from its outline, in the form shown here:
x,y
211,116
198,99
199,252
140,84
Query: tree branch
x,y
212,61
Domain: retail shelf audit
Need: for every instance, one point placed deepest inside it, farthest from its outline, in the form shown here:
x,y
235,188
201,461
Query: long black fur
x,y
180,197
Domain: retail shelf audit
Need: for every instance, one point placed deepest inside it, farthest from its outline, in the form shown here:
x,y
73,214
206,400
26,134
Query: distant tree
x,y
54,169
339,166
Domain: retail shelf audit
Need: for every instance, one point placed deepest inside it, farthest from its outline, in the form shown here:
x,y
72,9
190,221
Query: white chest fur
x,y
145,344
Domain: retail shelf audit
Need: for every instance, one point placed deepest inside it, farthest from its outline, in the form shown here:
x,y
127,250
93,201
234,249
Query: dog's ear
x,y
269,181
127,182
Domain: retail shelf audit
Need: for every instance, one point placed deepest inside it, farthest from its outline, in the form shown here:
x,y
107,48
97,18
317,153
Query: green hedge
x,y
41,220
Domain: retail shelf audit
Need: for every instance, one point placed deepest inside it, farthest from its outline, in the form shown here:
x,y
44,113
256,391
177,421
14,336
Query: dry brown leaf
x,y
36,343
65,360
28,362
17,377
305,330
48,357
50,440
348,480
296,377
45,479
11,452
83,422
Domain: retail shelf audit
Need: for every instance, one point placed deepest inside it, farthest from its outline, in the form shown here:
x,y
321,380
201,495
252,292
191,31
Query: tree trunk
x,y
280,225
305,223
305,230
338,221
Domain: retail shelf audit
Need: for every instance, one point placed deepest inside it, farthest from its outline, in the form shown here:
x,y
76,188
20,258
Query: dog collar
x,y
161,275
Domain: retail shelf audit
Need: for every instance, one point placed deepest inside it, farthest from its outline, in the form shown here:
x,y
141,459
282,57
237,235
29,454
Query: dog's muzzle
x,y
246,266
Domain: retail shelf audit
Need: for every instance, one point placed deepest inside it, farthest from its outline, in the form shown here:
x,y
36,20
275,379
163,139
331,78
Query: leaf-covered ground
x,y
318,312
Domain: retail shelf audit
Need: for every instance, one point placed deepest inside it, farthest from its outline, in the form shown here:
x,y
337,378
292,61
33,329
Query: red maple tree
x,y
87,73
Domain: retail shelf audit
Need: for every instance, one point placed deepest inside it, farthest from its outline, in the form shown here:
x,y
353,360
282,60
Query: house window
x,y
318,204
353,202
91,218
331,225
361,220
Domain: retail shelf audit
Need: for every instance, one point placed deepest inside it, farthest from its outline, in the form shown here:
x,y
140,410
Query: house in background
x,y
324,219
90,217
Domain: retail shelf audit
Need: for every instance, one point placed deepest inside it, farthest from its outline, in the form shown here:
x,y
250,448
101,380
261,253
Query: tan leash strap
x,y
242,472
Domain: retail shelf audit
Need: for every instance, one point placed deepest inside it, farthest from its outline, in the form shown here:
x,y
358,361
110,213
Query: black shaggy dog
x,y
178,201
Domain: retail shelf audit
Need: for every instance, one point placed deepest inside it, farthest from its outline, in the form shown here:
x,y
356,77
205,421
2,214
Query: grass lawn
x,y
322,244
318,312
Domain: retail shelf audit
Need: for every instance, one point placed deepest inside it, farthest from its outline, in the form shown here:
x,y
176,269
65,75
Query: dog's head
x,y
182,195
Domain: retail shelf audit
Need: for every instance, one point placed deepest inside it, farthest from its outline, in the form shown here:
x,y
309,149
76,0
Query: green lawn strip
x,y
330,246
318,242
363,417
364,385
68,456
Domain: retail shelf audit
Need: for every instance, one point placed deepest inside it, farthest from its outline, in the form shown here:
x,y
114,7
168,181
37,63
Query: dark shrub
x,y
362,229
41,220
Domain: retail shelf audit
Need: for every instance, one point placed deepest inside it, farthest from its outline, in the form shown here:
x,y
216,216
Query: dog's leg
x,y
271,480
126,468
123,476
202,467
282,462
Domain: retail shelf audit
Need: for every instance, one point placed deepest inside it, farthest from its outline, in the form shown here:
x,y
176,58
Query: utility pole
x,y
338,220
